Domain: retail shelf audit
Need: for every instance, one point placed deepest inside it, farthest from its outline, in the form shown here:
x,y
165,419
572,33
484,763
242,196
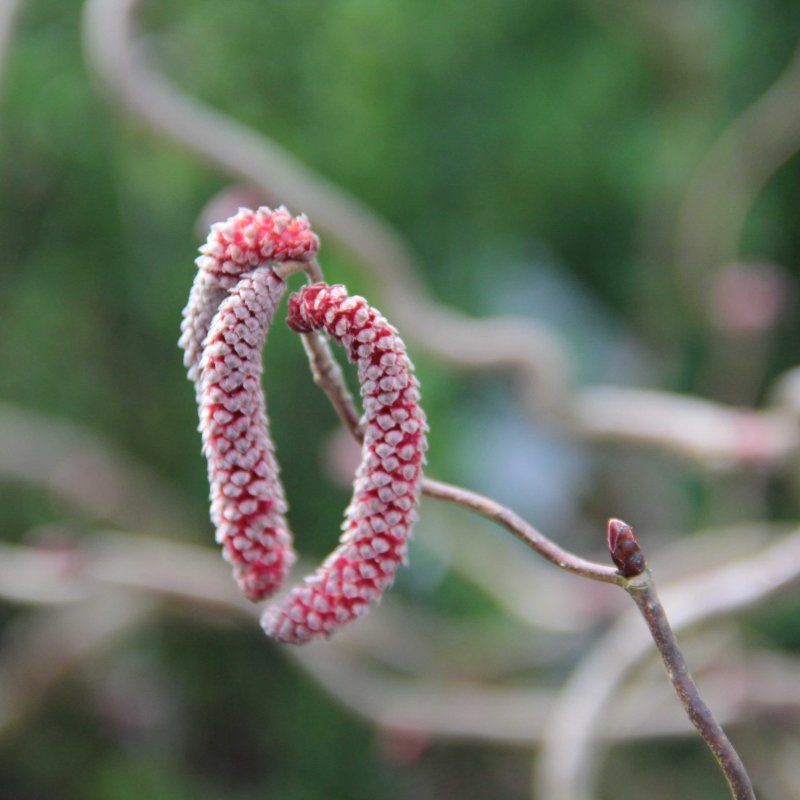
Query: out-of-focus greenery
x,y
555,131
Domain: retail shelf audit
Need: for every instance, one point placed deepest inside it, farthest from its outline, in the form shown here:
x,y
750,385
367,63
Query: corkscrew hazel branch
x,y
639,584
706,434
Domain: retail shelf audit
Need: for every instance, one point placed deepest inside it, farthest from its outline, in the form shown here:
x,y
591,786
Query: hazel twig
x,y
571,752
332,383
639,584
523,530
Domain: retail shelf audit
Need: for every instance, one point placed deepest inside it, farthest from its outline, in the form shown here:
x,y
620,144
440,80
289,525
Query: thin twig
x,y
570,755
527,590
327,374
523,530
567,761
643,592
325,369
627,555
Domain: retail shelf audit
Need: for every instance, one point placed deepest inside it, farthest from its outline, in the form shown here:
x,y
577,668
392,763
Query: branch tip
x,y
624,549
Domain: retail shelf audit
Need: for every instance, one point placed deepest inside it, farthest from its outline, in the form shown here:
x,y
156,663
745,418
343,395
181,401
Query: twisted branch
x,y
728,181
138,576
9,12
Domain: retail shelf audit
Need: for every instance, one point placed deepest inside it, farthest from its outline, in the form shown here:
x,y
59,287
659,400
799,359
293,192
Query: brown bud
x,y
624,549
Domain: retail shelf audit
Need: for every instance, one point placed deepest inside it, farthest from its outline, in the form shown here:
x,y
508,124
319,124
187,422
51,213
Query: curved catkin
x,y
225,322
388,481
247,498
234,248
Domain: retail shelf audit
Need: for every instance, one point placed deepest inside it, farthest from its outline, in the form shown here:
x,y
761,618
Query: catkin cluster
x,y
232,304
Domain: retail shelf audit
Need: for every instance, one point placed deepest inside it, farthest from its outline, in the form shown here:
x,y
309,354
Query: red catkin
x,y
225,323
247,498
388,481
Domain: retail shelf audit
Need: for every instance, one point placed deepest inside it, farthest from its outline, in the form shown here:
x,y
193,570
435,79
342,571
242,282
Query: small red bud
x,y
624,549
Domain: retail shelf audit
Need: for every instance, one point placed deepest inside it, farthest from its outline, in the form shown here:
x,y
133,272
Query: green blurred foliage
x,y
549,124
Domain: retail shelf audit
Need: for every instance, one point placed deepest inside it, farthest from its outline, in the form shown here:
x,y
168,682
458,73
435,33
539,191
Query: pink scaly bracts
x,y
247,499
231,306
378,520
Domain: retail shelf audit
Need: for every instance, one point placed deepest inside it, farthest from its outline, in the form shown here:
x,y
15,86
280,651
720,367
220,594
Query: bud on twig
x,y
630,560
624,549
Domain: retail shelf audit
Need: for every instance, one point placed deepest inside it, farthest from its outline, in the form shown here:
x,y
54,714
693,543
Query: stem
x,y
325,369
523,530
639,584
647,600
327,374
